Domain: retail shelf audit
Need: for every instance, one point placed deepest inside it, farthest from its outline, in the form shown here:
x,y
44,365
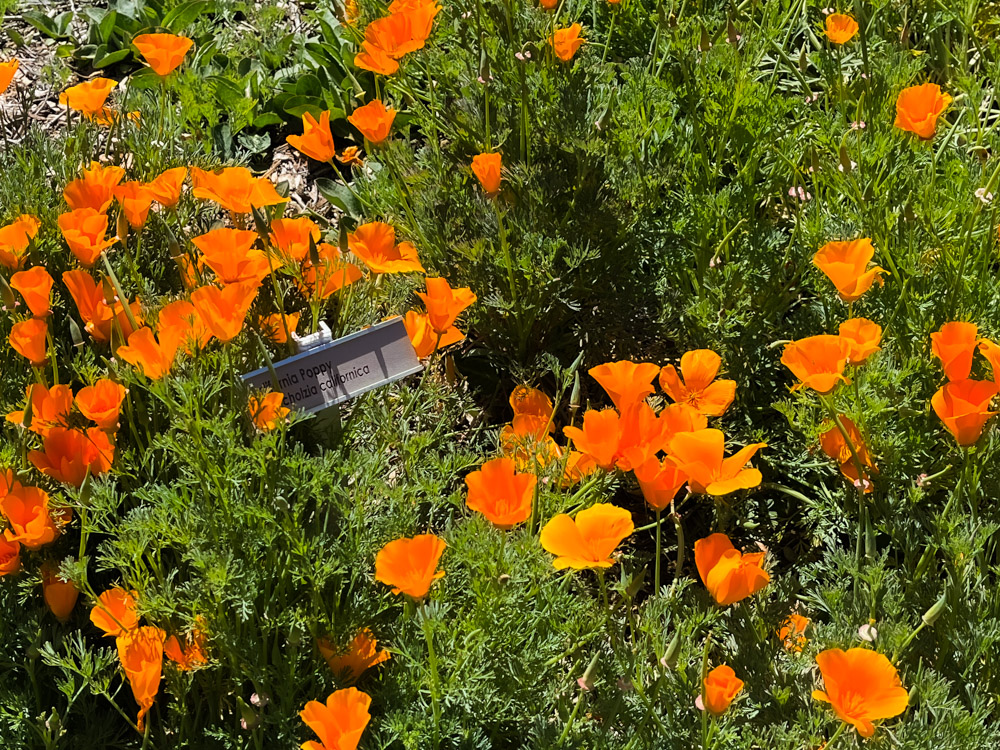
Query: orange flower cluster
x,y
389,39
963,404
435,329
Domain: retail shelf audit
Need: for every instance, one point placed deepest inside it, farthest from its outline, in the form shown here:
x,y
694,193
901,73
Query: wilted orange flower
x,y
166,188
793,632
272,327
162,52
98,316
840,28
189,655
991,351
146,354
720,689
955,345
701,455
7,71
729,575
373,120
351,156
444,304
232,255
500,494
532,405
96,189
817,361
114,612
224,311
565,42
964,407
60,595
10,556
863,336
29,339
291,236
659,482
316,140
101,403
340,722
352,12
375,244
699,389
35,285
135,200
84,230
833,445
140,652
486,167
377,60
362,654
15,238
409,565
333,274
627,383
49,408
235,189
71,454
919,107
589,540
27,512
424,338
88,97
266,412
845,263
862,687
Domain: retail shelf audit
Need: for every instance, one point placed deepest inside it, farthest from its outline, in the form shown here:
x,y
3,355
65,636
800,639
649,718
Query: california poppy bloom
x,y
403,31
101,403
729,575
35,285
291,236
95,189
30,339
235,189
162,52
377,60
100,319
71,454
964,407
266,412
60,595
627,383
225,310
190,654
424,338
409,565
549,4
165,189
863,336
333,273
140,652
720,689
27,512
486,167
15,239
701,455
373,120
833,445
7,71
10,556
818,362
85,230
792,632
316,140
992,353
659,482
135,200
231,254
375,243
699,388
840,28
272,327
351,156
50,407
529,403
862,687
919,107
362,654
955,345
114,612
88,97
598,437
340,722
845,263
444,304
589,540
146,354
501,494
565,42
578,466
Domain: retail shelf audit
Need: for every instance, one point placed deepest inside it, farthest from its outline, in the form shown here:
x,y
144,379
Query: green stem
x,y
435,680
704,695
840,730
659,547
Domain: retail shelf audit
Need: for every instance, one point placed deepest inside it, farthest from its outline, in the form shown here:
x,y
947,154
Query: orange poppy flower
x,y
291,236
444,304
659,482
531,403
71,454
361,655
840,28
232,255
375,244
409,565
235,189
60,595
403,31
627,383
50,408
98,317
35,285
340,722
424,338
30,339
500,494
729,575
10,556
166,188
792,633
84,230
88,97
641,435
678,418
578,466
374,58
549,4
955,345
589,540
964,407
272,327
181,327
189,655
699,389
598,437
140,652
373,120
701,455
919,107
532,421
114,612
862,687
845,263
351,156
146,354
27,512
316,140
15,239
720,689
565,42
992,353
101,403
334,273
833,445
7,71
95,189
162,52
225,310
863,336
135,200
531,451
818,362
486,167
266,412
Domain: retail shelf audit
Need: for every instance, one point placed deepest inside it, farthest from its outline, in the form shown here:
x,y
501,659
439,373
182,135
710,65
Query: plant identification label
x,y
337,371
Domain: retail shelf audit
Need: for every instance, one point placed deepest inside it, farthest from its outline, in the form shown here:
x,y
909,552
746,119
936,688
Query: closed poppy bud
x,y
27,512
720,689
316,140
165,189
266,412
85,230
69,455
818,362
339,722
589,540
919,107
140,652
29,339
840,28
114,612
701,455
135,200
15,239
373,120
225,310
501,494
863,336
486,167
699,389
964,407
101,403
409,565
362,654
729,575
424,338
7,71
35,285
10,556
95,189
627,383
444,304
846,265
162,52
375,244
955,345
60,595
88,97
374,58
234,189
862,686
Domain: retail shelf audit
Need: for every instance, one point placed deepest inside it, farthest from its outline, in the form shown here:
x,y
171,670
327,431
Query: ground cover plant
x,y
703,452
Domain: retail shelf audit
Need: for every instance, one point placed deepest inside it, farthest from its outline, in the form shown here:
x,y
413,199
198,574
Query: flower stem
x,y
659,547
435,680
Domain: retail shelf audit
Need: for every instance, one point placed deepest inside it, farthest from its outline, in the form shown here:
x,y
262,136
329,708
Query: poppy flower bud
x,y
587,681
931,615
7,295
669,659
